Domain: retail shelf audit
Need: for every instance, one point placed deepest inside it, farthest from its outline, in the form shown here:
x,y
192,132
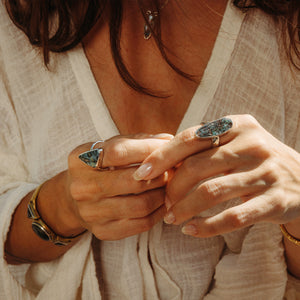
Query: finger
x,y
128,150
119,229
229,158
213,192
243,215
138,206
201,166
94,185
183,145
123,207
123,150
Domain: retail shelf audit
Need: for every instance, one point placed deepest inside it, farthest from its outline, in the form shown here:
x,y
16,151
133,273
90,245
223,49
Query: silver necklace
x,y
151,16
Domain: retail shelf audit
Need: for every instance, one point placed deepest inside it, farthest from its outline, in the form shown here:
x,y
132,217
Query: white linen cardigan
x,y
44,114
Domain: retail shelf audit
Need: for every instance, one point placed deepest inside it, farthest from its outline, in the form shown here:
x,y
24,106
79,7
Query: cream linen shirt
x,y
44,114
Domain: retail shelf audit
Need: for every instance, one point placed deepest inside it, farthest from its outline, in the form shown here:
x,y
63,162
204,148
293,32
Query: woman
x,y
173,65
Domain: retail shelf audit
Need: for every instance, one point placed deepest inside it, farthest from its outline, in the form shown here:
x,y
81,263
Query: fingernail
x,y
168,203
189,230
142,171
169,218
163,136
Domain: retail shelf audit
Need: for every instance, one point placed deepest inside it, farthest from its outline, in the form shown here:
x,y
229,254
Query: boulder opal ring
x,y
94,157
213,130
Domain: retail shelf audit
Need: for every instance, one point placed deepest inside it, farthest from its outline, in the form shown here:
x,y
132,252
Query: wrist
x,y
56,209
292,247
293,228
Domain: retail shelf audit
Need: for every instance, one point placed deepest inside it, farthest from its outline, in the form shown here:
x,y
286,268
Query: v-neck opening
x,y
222,50
91,94
203,95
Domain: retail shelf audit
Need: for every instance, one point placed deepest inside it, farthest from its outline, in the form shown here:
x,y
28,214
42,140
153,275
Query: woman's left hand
x,y
249,163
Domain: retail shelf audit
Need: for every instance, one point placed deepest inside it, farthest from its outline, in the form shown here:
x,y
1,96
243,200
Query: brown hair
x,y
76,18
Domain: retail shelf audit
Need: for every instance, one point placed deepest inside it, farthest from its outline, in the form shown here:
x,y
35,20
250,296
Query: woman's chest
x,y
133,111
146,70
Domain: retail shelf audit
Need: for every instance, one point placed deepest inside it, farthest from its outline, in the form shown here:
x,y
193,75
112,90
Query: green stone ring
x,y
94,157
213,130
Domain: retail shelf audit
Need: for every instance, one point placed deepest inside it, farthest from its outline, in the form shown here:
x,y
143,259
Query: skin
x,y
110,204
190,31
66,202
249,163
120,203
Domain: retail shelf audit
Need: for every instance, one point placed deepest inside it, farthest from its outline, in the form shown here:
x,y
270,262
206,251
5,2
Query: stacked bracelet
x,y
289,236
43,230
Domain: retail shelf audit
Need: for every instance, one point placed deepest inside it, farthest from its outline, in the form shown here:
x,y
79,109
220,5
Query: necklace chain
x,y
151,16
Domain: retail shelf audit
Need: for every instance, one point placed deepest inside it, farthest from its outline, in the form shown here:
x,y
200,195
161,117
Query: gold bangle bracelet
x,y
289,236
43,230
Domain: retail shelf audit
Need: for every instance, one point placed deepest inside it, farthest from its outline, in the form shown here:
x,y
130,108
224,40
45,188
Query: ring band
x,y
101,154
215,141
213,130
98,142
94,157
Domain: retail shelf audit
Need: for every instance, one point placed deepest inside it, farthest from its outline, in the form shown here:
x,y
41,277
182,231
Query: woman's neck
x,y
189,30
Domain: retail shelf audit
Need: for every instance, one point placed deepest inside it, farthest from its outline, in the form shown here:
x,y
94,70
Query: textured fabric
x,y
45,114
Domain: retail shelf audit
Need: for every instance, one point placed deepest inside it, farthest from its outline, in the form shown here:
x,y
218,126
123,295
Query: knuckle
x,y
115,153
76,191
236,219
261,144
88,215
187,136
278,204
270,173
83,192
211,190
250,121
260,148
102,188
226,154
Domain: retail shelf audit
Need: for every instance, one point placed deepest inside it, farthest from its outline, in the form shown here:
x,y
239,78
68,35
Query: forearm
x,y
22,244
292,251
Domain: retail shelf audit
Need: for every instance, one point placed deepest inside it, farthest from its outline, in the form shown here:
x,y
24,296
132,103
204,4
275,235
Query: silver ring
x,y
213,130
215,141
93,146
94,157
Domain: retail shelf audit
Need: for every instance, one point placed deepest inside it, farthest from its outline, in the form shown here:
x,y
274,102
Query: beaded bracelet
x,y
289,236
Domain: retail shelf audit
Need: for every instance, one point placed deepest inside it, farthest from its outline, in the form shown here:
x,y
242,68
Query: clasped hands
x,y
183,176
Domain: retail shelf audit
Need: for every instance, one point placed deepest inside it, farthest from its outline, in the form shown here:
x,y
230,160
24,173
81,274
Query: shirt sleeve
x,y
58,279
14,183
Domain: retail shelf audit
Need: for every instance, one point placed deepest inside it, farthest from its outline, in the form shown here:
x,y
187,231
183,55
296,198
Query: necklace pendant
x,y
147,29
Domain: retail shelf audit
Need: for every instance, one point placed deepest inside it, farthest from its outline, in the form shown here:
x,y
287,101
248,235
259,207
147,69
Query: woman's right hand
x,y
111,204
